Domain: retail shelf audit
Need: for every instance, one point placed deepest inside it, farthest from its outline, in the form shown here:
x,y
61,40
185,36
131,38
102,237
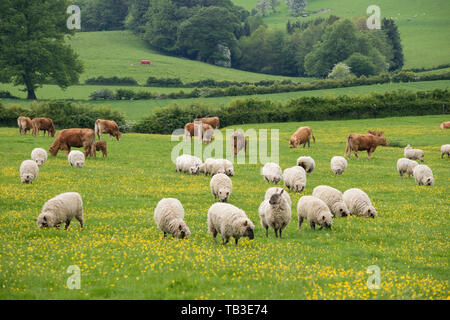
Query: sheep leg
x,y
280,232
214,236
300,221
313,225
67,224
225,240
267,232
236,241
165,234
276,233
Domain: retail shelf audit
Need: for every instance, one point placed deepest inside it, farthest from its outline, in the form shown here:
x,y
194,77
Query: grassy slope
x,y
424,25
121,253
135,110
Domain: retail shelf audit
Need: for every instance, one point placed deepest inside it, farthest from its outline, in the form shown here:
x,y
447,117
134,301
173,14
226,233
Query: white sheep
x,y
275,213
423,175
227,167
76,158
273,190
229,221
39,155
188,163
338,165
405,165
272,172
306,163
445,150
358,203
169,217
28,171
212,167
295,178
315,211
221,186
62,208
333,199
413,154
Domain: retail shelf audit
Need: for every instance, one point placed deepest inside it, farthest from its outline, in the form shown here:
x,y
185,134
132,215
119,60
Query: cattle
x,y
360,142
301,136
100,146
445,125
78,138
24,124
45,124
212,121
239,142
375,133
107,126
193,129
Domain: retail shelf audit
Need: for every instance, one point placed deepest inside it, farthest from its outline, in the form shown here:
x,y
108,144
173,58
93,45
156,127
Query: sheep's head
x,y
342,210
370,212
39,162
223,194
194,169
325,220
246,228
27,178
276,179
229,172
182,230
78,164
47,220
299,187
276,198
429,181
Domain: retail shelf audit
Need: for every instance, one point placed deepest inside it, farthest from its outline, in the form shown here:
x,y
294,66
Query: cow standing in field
x,y
100,146
45,124
24,124
212,121
78,138
360,142
301,136
107,126
238,142
445,125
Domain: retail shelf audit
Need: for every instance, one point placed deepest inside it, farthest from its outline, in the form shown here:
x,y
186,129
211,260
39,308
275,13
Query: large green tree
x,y
32,44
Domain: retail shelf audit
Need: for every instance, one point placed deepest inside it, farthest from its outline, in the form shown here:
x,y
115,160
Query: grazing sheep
x,y
359,204
306,163
413,154
405,165
227,167
100,146
221,186
333,199
39,155
62,208
28,171
315,211
169,215
275,213
229,221
76,158
423,175
272,172
295,178
273,190
301,136
212,166
338,165
445,150
188,163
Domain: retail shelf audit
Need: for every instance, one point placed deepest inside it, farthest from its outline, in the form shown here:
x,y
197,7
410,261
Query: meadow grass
x,y
122,254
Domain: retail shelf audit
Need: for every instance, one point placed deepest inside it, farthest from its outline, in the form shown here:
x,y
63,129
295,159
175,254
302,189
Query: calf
x,y
24,124
45,124
301,136
100,146
107,126
359,142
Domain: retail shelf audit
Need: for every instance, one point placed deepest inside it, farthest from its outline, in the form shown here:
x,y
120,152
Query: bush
x,y
7,95
102,94
164,82
124,94
128,81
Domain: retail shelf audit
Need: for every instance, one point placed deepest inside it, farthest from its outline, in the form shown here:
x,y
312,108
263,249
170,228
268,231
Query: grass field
x,y
135,110
122,254
423,25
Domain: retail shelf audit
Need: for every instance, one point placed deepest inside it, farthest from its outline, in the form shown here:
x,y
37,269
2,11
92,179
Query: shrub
x,y
7,95
124,94
128,81
102,94
339,71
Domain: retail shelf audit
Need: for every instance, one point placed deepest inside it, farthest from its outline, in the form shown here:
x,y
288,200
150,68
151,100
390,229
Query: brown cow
x,y
77,138
239,142
375,133
212,121
445,125
194,130
24,124
100,146
107,126
301,136
45,124
359,142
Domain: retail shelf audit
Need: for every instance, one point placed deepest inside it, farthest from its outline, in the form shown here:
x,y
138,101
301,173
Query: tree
x,y
361,65
264,7
296,6
135,19
340,71
99,15
32,46
391,30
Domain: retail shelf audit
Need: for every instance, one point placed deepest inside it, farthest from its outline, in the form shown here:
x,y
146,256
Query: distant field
x,y
424,25
122,254
135,110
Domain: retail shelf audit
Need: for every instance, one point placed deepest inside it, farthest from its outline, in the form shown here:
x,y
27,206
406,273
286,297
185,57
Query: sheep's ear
x,y
245,223
282,190
180,227
45,218
323,217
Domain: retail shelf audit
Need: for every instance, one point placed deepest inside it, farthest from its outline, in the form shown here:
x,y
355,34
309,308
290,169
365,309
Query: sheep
x,y
405,165
338,165
273,190
315,211
62,208
306,163
221,187
39,155
229,221
28,171
333,199
212,166
227,167
272,172
188,163
295,178
76,158
169,215
275,213
413,154
423,175
445,150
358,202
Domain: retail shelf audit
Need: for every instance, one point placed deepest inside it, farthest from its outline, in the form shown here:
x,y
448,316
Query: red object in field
x,y
145,61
